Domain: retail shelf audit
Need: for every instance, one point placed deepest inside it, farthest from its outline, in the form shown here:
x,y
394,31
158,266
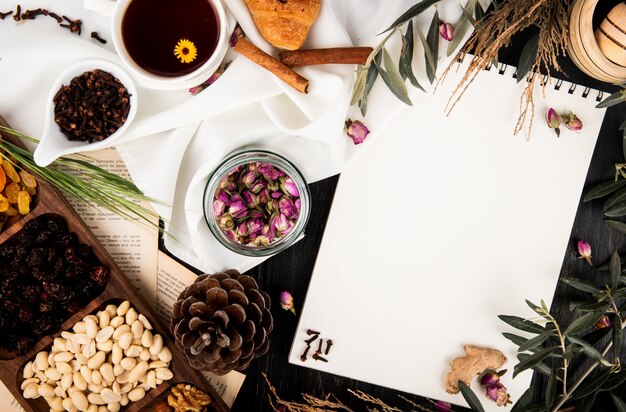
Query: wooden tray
x,y
50,201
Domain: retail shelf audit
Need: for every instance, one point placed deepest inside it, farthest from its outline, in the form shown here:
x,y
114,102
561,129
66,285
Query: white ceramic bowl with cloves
x,y
90,106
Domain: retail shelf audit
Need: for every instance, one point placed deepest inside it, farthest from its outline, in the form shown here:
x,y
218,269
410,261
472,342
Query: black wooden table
x,y
291,270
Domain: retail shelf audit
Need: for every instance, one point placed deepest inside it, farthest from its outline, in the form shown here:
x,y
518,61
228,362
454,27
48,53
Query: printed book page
x,y
172,278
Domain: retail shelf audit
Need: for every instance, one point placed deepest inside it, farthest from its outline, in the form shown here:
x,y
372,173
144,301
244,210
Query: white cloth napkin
x,y
177,139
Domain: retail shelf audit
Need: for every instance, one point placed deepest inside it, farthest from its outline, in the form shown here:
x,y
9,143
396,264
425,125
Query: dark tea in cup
x,y
170,38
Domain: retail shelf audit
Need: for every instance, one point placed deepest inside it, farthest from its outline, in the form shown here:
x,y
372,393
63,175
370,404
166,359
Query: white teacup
x,y
150,80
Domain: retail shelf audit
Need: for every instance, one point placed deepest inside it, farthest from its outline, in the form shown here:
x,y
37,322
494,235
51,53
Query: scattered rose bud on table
x,y
554,120
584,249
357,131
286,301
442,406
572,122
499,394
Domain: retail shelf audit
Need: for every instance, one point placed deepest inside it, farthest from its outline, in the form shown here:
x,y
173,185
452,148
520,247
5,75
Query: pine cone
x,y
222,321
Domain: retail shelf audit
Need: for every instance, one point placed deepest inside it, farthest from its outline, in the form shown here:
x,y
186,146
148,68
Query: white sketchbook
x,y
443,224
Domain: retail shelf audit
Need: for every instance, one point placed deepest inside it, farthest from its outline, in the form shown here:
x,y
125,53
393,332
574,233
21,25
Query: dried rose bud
x,y
446,30
499,394
254,226
234,38
242,229
290,187
250,198
258,186
286,301
442,406
218,208
356,131
490,377
226,221
281,223
603,323
287,207
248,179
572,122
584,249
238,209
554,121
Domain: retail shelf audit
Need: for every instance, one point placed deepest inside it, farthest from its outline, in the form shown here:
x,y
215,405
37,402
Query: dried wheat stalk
x,y
496,30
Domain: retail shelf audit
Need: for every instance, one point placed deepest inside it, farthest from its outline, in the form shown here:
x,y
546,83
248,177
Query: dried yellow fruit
x,y
28,179
10,171
11,192
4,204
23,202
11,211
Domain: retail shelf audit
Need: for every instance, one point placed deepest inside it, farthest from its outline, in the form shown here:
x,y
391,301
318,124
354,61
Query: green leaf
x,y
372,75
585,321
551,388
617,225
532,360
413,11
535,308
479,12
617,335
586,306
528,57
428,54
536,341
522,324
612,100
617,197
470,398
591,351
540,367
615,270
392,78
603,189
591,384
616,210
523,400
620,405
359,87
516,339
580,285
461,27
596,336
585,404
616,380
406,57
433,45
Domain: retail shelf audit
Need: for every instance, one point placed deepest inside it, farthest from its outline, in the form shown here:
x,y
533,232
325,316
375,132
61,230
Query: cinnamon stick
x,y
269,63
337,55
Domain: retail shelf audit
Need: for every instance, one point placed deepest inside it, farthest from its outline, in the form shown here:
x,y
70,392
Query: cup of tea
x,y
170,44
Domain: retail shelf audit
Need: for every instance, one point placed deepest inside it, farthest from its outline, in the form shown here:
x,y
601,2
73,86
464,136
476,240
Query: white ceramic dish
x,y
54,143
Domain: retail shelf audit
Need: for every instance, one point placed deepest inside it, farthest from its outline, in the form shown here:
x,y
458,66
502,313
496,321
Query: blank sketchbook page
x,y
441,225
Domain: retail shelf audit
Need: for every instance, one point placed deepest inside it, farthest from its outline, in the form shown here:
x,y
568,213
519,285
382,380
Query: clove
x,y
319,347
329,343
311,339
5,14
312,332
95,36
306,351
18,13
319,357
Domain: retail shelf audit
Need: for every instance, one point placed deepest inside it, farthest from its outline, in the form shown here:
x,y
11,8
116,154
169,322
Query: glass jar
x,y
224,226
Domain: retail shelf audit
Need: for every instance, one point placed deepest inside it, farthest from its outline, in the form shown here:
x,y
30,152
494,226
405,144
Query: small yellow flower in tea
x,y
185,51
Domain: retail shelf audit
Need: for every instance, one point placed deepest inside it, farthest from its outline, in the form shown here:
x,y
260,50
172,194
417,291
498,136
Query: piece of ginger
x,y
475,361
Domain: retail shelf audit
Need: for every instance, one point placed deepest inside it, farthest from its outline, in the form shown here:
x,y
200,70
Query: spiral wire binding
x,y
502,69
